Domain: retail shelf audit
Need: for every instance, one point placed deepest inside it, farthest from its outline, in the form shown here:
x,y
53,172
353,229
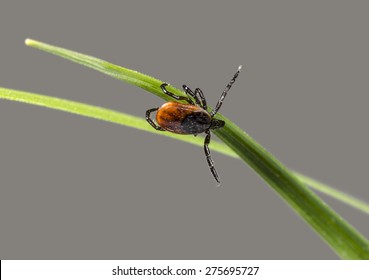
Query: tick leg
x,y
225,91
208,157
150,121
173,95
189,92
199,92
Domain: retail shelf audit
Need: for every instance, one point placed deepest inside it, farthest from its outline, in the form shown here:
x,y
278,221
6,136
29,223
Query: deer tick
x,y
191,118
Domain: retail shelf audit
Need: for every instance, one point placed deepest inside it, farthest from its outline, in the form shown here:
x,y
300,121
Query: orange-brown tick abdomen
x,y
183,118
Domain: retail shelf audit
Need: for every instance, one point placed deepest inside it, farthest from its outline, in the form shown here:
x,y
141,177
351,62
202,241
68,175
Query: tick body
x,y
183,118
191,118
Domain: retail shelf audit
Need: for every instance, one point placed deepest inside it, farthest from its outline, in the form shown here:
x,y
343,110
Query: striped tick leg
x,y
228,87
176,97
150,121
189,92
208,157
201,96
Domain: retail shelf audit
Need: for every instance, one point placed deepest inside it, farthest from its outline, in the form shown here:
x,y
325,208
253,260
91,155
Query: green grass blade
x,y
141,124
127,75
340,235
339,195
99,113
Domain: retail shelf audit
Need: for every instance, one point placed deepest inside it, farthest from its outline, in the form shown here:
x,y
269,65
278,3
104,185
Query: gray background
x,y
74,187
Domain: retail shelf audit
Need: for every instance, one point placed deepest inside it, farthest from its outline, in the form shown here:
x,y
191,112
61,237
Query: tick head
x,y
216,123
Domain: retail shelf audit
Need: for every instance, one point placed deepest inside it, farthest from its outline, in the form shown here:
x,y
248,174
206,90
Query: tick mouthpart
x,y
216,123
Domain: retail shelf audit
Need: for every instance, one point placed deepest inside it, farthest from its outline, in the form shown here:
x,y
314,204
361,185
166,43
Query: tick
x,y
191,118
